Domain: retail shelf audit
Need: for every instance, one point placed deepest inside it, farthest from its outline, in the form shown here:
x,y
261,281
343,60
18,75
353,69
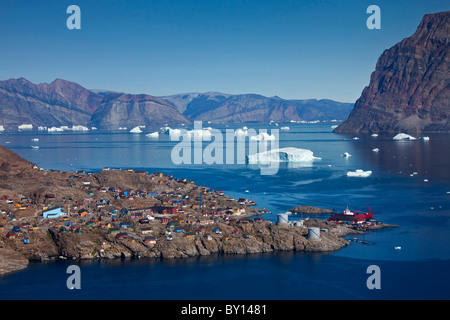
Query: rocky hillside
x,y
409,90
220,107
64,103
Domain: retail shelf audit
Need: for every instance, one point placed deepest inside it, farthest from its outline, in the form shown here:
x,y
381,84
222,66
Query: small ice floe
x,y
285,128
403,136
35,147
263,136
359,173
355,138
2,128
42,128
398,248
153,135
376,150
424,138
346,154
425,180
35,139
375,135
137,129
123,128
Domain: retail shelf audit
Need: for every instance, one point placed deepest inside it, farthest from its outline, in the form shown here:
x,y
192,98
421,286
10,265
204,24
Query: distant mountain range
x,y
409,90
64,103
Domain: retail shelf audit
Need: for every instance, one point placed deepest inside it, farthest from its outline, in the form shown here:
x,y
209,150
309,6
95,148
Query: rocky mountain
x,y
128,110
56,104
64,103
409,90
227,108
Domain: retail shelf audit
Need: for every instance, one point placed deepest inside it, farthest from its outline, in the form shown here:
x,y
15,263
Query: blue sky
x,y
294,49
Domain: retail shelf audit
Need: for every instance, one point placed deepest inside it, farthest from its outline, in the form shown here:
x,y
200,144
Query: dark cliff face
x,y
64,103
409,90
241,108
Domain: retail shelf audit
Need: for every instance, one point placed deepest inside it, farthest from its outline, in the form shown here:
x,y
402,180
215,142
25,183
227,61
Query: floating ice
x,y
79,128
35,139
285,128
55,129
35,147
375,135
375,150
123,128
355,138
346,154
241,132
263,136
2,128
137,129
26,127
199,134
403,136
334,127
424,138
153,135
282,155
359,173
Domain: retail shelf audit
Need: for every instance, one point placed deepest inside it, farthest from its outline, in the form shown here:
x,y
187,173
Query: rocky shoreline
x,y
117,214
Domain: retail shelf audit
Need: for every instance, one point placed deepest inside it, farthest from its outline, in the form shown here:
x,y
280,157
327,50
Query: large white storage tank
x,y
313,233
282,218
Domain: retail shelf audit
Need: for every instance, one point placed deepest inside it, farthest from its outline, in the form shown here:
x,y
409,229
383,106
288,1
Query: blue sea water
x,y
409,187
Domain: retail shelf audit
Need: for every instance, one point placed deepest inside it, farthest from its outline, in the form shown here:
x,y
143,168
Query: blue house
x,y
53,212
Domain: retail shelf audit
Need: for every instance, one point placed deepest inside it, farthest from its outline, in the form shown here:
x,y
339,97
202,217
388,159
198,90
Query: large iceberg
x,y
403,136
282,155
359,173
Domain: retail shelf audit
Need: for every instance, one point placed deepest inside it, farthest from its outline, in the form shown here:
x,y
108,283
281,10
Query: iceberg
x,y
199,134
263,136
346,154
137,129
285,128
403,136
26,127
79,128
55,129
359,173
375,135
241,132
123,128
424,138
375,150
42,128
35,139
2,128
289,154
153,135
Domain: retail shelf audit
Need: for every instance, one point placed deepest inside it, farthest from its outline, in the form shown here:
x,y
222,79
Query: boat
x,y
352,216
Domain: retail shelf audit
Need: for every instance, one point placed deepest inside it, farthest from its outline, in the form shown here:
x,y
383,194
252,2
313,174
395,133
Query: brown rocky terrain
x,y
409,90
126,214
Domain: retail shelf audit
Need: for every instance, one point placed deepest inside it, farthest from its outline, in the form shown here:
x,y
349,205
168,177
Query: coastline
x,y
117,214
